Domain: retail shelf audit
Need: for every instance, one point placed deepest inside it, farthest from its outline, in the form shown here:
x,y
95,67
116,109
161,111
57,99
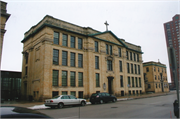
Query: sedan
x,y
62,100
102,97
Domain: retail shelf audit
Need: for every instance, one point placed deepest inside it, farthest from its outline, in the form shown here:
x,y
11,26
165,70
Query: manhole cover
x,y
114,107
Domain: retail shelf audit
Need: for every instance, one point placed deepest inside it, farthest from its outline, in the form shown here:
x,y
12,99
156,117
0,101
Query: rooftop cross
x,y
106,25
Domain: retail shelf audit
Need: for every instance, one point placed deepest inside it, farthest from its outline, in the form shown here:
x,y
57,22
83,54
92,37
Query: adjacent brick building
x,y
155,77
172,35
63,58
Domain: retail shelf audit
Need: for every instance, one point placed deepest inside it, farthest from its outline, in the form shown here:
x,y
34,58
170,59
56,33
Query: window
x,y
120,66
107,49
80,79
147,69
127,54
149,85
134,57
119,50
73,59
96,62
73,78
109,65
55,78
129,81
128,68
130,55
73,42
156,85
139,70
139,82
121,81
135,68
132,81
110,48
26,70
159,86
73,93
55,56
64,58
65,40
154,68
55,93
56,38
97,80
132,68
64,78
64,93
79,43
26,57
80,60
96,46
80,94
136,81
137,57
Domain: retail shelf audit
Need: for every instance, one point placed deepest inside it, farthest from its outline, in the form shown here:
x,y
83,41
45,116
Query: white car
x,y
61,100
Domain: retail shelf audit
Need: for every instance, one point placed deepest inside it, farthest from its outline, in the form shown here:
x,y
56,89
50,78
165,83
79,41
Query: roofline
x,y
111,33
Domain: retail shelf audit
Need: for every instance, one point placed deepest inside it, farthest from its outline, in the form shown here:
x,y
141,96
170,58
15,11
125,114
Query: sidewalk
x,y
40,105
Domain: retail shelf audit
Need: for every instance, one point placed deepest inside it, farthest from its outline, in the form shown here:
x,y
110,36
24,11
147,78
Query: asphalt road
x,y
154,107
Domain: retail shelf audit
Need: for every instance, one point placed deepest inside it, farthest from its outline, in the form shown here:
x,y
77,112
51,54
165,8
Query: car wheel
x,y
83,103
114,100
101,101
60,105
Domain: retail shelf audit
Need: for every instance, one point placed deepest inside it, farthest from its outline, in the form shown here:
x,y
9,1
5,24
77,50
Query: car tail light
x,y
51,101
97,96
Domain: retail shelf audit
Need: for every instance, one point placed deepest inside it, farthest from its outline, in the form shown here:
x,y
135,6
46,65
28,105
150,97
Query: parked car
x,y
62,100
20,112
102,97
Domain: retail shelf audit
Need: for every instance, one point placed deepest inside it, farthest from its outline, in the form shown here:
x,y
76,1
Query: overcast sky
x,y
138,22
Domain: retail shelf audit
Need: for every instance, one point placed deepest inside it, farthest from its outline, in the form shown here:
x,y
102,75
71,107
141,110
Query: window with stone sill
x,y
109,65
64,78
80,43
56,38
73,57
96,46
65,40
73,42
97,80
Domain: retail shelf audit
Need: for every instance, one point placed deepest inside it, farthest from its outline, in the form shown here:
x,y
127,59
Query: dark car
x,y
102,97
20,112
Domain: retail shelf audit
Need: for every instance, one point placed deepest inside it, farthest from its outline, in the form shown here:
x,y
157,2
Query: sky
x,y
138,22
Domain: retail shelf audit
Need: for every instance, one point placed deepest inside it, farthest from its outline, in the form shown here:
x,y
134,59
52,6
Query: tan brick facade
x,y
39,79
155,77
4,17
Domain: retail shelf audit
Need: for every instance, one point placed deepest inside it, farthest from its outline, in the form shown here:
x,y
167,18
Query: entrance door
x,y
162,87
110,82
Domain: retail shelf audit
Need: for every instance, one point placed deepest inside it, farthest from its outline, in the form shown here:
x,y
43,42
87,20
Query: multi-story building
x,y
63,58
10,85
4,18
155,77
172,34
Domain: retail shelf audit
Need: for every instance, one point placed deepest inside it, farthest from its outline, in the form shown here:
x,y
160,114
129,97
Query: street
x,y
154,107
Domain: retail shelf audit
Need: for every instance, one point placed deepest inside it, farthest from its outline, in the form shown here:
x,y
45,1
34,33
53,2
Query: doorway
x,y
110,83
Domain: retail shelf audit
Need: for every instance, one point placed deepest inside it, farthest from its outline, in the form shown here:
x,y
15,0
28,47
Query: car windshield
x,y
55,97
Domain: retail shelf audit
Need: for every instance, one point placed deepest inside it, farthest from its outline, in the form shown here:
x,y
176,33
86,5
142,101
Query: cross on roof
x,y
106,25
